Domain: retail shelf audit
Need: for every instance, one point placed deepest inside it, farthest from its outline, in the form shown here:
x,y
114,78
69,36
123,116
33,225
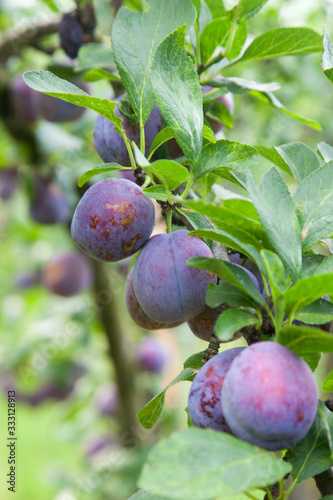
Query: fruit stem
x,y
129,149
168,215
142,140
269,494
188,186
146,182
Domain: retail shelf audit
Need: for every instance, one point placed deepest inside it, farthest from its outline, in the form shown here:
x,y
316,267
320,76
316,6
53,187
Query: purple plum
x,y
49,204
23,101
55,110
269,396
110,145
8,182
167,288
67,273
107,400
112,220
151,355
204,400
137,313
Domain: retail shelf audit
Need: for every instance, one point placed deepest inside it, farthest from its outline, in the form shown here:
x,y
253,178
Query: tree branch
x,y
116,342
14,41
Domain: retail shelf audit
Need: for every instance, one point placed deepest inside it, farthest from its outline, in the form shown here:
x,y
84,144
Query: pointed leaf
x,y
226,153
314,202
301,160
196,464
135,36
232,320
277,213
49,84
327,57
325,151
306,339
178,94
313,454
151,412
107,167
224,292
307,290
283,42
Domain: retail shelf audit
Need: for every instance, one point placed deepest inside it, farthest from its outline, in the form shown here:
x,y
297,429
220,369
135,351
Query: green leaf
x,y
328,383
157,192
327,56
313,454
219,112
231,273
96,74
216,8
306,339
283,42
196,464
231,240
238,85
230,221
171,173
194,361
310,263
307,290
163,136
274,101
277,213
270,153
229,154
301,160
325,151
224,292
216,33
49,84
51,5
107,167
314,202
94,55
151,412
317,313
178,94
197,221
249,8
278,285
135,36
208,134
145,495
232,320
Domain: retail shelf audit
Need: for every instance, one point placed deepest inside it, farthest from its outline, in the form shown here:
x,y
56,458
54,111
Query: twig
x,y
14,41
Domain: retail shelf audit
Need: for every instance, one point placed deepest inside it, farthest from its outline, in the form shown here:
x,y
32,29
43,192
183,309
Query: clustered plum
x,y
264,394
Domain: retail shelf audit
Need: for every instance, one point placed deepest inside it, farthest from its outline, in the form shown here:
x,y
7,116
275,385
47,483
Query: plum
x,y
251,275
204,400
112,220
269,396
167,288
137,313
110,145
203,325
107,400
23,101
49,204
67,273
71,34
55,110
151,355
8,182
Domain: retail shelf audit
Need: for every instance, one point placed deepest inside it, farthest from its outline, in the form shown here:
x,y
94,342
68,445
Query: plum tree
x,y
67,273
167,288
112,220
49,204
110,145
269,396
137,313
204,400
151,355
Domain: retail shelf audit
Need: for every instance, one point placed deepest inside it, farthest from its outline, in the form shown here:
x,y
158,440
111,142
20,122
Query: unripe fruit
x,y
204,400
167,288
112,220
137,313
269,396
